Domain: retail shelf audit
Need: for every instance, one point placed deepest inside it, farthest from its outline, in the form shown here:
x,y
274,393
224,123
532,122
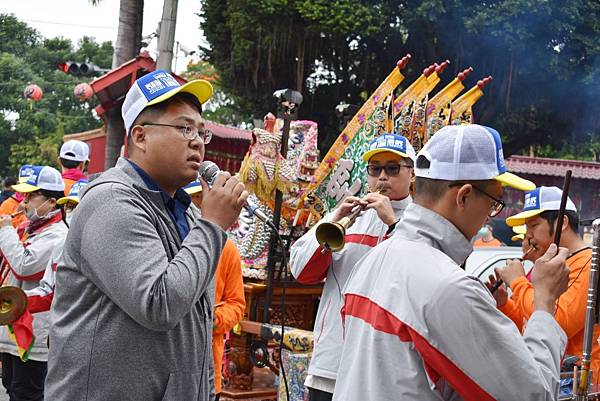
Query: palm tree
x,y
127,46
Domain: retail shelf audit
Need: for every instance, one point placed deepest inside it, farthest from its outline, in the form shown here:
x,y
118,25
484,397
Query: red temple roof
x,y
227,132
553,167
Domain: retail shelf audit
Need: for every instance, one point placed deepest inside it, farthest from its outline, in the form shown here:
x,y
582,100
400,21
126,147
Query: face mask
x,y
482,232
69,217
33,215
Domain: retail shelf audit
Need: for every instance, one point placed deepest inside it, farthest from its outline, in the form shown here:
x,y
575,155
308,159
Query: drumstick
x,y
563,206
15,214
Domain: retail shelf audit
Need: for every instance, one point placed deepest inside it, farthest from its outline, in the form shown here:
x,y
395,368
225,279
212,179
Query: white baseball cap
x,y
156,87
468,152
78,151
41,177
538,201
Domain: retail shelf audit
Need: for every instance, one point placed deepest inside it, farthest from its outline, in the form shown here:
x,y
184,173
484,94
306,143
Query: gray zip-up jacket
x,y
132,311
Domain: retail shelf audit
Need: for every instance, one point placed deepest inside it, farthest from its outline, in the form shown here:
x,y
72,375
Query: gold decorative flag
x,y
462,108
439,106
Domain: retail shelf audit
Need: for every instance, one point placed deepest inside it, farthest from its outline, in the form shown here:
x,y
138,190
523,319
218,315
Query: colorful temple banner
x,y
341,173
412,114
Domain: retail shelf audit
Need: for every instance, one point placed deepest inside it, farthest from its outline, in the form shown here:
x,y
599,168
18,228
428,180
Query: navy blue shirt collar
x,y
176,206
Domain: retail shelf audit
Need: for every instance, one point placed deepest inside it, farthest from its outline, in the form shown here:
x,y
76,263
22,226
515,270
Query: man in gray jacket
x,y
132,313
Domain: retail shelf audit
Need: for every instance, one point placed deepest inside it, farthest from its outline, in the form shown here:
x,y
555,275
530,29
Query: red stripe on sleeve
x,y
436,364
39,303
362,239
316,268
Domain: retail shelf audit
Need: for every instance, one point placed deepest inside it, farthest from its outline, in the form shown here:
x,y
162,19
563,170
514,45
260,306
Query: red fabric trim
x,y
437,365
73,174
39,303
363,239
32,277
316,268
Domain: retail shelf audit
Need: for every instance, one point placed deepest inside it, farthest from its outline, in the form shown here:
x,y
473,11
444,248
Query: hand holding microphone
x,y
210,175
223,199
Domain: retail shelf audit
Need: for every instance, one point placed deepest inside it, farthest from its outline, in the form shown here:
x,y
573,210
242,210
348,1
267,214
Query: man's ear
x,y
462,194
137,138
565,224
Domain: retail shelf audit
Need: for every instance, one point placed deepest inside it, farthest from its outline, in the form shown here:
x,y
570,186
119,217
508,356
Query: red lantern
x,y
33,92
83,91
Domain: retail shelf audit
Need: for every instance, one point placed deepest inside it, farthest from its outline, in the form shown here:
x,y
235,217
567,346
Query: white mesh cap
x,y
78,151
156,87
538,201
468,152
42,177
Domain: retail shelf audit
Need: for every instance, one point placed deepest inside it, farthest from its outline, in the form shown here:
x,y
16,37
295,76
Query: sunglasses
x,y
391,170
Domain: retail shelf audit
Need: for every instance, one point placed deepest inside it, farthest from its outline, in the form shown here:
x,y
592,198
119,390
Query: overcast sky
x,y
75,18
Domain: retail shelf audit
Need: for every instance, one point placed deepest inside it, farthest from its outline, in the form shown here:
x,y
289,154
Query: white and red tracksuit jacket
x,y
39,299
417,327
27,262
310,264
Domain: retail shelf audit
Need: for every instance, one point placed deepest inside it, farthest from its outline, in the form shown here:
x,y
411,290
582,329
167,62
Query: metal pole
x,y
286,113
166,36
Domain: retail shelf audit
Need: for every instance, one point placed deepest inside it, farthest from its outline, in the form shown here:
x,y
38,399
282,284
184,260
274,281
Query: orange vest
x,y
229,303
481,243
570,313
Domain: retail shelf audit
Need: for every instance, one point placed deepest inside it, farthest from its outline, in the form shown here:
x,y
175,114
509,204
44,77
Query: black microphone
x,y
209,171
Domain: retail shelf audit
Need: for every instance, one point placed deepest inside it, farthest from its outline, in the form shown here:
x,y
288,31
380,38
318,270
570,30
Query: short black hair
x,y
66,163
52,194
10,181
552,215
433,189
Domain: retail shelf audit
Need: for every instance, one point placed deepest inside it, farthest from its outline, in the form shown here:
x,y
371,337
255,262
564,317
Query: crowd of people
x,y
133,282
401,319
128,274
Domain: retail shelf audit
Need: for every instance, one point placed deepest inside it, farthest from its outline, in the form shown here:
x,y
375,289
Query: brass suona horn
x,y
13,303
332,235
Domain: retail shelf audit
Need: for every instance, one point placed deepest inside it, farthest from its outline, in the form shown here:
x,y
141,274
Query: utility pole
x,y
166,36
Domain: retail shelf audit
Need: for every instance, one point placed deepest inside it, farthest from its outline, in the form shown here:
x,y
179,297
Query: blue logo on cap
x,y
499,153
532,200
389,141
77,187
157,83
34,177
25,171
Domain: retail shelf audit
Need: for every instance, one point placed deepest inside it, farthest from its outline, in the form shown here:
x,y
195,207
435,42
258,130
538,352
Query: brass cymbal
x,y
13,303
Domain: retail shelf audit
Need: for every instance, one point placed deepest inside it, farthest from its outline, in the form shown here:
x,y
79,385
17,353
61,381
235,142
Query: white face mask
x,y
33,215
69,217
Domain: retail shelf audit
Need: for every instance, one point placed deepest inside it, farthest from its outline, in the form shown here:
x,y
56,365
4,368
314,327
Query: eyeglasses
x,y
391,170
495,208
189,132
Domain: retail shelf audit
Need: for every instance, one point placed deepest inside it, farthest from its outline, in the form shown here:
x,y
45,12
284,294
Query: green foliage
x,y
544,57
31,132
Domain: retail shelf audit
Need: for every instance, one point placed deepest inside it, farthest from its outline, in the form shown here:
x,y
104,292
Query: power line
x,y
67,24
